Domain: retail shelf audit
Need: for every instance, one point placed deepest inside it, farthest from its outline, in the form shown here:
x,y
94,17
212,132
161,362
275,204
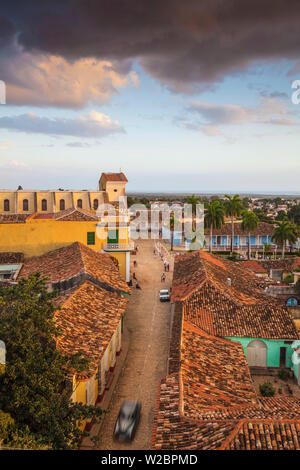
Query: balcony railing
x,y
241,246
118,246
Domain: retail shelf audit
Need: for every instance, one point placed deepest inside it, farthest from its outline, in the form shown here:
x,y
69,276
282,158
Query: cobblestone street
x,y
148,323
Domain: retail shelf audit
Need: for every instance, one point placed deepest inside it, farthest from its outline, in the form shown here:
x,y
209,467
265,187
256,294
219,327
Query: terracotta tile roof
x,y
214,372
14,218
239,309
193,269
11,258
115,177
188,275
74,260
210,402
265,435
287,264
218,315
255,266
172,430
75,214
263,228
88,318
71,214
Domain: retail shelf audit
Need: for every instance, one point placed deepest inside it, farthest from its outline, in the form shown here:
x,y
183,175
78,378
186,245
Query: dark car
x,y
127,421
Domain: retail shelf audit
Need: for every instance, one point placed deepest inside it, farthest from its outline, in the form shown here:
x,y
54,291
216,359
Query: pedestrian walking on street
x,y
134,263
168,267
163,277
133,276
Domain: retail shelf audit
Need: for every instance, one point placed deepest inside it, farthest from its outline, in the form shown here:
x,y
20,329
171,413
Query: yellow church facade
x,y
35,222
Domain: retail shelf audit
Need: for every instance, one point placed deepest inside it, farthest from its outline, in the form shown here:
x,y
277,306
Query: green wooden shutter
x,y
91,238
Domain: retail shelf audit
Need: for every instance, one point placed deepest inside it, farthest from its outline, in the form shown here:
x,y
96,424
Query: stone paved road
x,y
148,322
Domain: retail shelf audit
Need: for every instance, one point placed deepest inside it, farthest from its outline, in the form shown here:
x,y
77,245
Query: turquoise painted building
x,y
267,352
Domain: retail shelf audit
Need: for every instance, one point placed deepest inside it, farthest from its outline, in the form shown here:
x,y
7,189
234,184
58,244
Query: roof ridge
x,y
85,212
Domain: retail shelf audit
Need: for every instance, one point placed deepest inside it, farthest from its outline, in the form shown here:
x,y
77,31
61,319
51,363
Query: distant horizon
x,y
214,192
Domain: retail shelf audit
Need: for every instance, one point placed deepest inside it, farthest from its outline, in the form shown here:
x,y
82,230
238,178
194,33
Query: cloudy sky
x,y
182,96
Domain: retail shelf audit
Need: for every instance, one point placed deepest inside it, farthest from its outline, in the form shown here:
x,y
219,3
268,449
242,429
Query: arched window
x,y
6,205
44,204
25,205
96,204
62,205
79,203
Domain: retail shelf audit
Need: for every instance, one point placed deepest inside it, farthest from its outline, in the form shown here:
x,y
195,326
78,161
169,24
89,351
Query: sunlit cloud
x,y
48,80
92,124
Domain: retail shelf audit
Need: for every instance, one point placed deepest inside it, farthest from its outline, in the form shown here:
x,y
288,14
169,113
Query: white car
x,y
164,295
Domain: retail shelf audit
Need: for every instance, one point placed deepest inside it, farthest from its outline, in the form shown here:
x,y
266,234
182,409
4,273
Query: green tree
x,y
281,215
284,231
213,218
193,200
233,208
34,386
294,214
249,224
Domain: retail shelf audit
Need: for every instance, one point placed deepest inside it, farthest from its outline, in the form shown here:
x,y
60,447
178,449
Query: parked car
x,y
127,421
164,295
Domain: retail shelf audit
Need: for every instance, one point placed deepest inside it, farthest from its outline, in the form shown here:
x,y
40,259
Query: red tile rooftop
x,y
208,400
211,403
263,228
14,218
115,177
70,261
255,266
193,269
11,257
88,318
239,308
71,214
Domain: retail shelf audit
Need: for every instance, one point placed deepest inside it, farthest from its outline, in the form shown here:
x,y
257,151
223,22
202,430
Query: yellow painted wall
x,y
121,257
79,397
80,392
11,196
52,197
36,237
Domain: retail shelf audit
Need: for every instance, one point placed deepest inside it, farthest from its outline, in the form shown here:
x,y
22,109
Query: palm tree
x,y
214,218
193,200
249,224
233,208
283,232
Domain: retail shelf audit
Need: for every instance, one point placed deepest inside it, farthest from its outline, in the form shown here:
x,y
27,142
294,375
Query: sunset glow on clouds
x,y
180,98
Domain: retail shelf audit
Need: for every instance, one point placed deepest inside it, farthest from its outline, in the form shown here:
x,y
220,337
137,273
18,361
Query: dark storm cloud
x,y
182,44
